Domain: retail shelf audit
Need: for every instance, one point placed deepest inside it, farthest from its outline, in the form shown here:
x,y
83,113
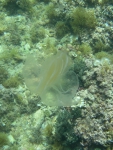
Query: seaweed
x,y
26,5
64,137
13,7
102,54
49,45
3,75
12,82
37,33
82,19
79,68
13,54
84,49
100,46
10,6
51,12
3,139
61,29
95,2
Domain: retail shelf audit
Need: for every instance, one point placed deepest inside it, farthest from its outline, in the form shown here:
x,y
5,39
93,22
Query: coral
x,y
82,19
3,139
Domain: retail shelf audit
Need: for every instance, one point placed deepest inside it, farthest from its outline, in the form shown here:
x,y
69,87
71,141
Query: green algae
x,y
100,46
3,139
64,137
61,29
13,7
8,56
3,75
83,19
37,33
51,12
103,54
12,82
99,2
84,49
49,45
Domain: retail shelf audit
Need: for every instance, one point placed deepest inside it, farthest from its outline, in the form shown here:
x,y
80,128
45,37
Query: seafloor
x,y
81,29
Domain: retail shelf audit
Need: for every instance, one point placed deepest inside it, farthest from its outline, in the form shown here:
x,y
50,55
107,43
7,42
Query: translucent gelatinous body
x,y
53,79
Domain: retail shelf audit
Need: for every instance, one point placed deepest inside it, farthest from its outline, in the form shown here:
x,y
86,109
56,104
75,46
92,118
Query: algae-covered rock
x,y
3,139
3,74
83,19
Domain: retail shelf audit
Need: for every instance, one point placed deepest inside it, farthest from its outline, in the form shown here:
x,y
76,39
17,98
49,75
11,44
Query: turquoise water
x,y
56,78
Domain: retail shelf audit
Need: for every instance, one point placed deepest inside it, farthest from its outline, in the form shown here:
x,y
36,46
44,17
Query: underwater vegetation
x,y
100,46
13,54
104,55
61,136
83,19
61,29
51,12
3,26
106,60
10,6
84,49
14,7
100,2
53,80
45,1
49,45
12,82
79,68
37,33
3,139
26,5
3,75
54,15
